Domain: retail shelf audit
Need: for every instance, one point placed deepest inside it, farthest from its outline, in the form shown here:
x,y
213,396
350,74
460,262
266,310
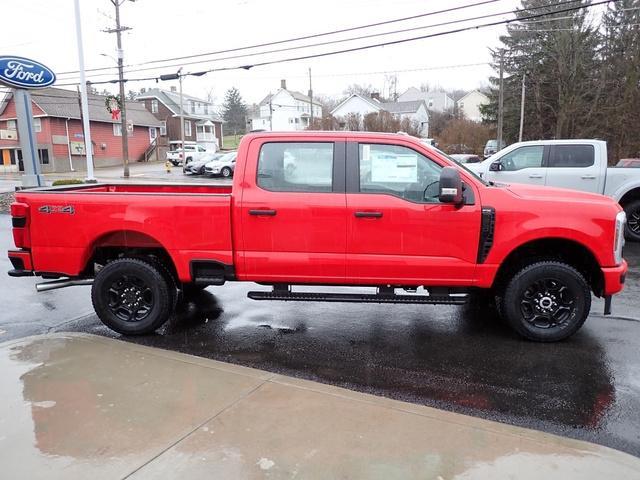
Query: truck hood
x,y
564,195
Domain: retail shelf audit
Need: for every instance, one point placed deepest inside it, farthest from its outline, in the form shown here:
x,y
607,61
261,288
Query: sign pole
x,y
24,114
88,146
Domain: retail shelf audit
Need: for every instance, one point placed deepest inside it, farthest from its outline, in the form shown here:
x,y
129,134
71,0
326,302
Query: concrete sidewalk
x,y
81,406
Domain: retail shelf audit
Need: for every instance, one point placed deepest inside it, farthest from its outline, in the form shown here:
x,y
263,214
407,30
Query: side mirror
x,y
450,186
496,166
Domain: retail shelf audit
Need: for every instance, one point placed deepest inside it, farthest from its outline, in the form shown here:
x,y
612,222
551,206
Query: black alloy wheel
x,y
133,296
546,301
632,229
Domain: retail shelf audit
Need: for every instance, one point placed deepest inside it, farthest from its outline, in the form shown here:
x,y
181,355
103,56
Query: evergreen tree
x,y
620,52
557,54
234,111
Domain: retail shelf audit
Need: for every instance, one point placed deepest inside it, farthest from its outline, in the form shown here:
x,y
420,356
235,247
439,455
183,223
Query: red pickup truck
x,y
329,209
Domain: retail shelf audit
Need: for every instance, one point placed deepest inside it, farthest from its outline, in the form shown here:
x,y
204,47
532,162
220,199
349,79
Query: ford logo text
x,y
24,73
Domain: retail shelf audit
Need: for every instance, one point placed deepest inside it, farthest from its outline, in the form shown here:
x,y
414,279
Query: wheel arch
x,y
125,243
629,196
560,249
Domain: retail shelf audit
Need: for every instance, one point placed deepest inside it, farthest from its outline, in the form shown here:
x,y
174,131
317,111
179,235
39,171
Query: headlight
x,y
618,241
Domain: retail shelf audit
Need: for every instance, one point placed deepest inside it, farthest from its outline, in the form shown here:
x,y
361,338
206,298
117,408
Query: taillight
x,y
20,223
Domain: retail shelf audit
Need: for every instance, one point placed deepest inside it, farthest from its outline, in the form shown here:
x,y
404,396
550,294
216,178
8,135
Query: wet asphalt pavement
x,y
455,358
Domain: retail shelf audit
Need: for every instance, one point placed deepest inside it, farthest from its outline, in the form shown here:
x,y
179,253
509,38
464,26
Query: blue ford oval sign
x,y
24,73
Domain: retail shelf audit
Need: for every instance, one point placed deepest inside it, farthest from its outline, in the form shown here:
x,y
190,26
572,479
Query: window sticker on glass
x,y
402,168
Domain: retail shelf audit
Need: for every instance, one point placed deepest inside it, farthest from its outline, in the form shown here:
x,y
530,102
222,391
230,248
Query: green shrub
x,y
67,181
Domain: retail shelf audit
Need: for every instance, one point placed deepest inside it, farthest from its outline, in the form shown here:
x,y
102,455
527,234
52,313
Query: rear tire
x,y
632,228
133,296
546,301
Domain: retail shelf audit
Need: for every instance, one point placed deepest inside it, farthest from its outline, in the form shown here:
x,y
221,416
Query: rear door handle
x,y
535,175
588,177
368,214
263,213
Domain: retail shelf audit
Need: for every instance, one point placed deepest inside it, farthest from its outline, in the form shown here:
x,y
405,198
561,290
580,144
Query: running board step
x,y
358,298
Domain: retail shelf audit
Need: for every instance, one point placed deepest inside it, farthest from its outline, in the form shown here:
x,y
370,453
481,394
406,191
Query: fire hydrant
x,y
167,165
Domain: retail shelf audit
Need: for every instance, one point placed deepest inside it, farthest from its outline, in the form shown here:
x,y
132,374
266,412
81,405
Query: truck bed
x,y
69,224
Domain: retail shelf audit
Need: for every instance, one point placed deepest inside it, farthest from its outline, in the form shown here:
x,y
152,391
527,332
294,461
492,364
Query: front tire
x,y
226,172
632,228
546,301
132,296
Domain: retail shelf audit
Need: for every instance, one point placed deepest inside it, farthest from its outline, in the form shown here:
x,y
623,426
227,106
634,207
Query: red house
x,y
60,140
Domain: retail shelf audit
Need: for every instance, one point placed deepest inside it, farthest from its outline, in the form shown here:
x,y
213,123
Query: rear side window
x,y
296,167
576,156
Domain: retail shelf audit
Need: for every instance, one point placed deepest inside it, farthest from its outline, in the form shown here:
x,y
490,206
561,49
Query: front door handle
x,y
588,177
368,214
535,175
263,213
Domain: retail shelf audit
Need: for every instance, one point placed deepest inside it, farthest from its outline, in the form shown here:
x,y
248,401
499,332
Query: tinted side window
x,y
523,157
398,171
296,167
576,156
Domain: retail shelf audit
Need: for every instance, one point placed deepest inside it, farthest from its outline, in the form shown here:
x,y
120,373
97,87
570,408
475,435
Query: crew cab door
x,y
574,166
293,211
522,165
397,230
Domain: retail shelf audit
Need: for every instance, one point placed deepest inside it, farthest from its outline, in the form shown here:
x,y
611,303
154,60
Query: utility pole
x,y
84,103
524,76
125,134
310,100
501,100
184,150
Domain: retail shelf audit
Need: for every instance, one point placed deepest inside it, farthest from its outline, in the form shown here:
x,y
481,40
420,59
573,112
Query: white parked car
x,y
224,165
191,153
574,164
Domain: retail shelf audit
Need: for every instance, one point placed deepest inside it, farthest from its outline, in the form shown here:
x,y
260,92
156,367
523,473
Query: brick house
x,y
59,136
201,123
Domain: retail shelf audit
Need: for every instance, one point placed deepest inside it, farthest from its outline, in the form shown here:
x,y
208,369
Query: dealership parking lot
x,y
455,358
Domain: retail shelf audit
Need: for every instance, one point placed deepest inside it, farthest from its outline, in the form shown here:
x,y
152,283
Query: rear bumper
x,y
614,278
21,262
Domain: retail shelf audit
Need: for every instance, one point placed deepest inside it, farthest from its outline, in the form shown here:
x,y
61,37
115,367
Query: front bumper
x,y
614,278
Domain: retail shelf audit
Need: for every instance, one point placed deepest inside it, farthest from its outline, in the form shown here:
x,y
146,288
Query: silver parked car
x,y
196,167
224,165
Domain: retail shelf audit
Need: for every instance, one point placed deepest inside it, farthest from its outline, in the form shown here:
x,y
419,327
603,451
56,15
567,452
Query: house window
x,y
430,103
11,125
154,106
163,128
206,109
37,125
187,128
117,129
43,156
153,133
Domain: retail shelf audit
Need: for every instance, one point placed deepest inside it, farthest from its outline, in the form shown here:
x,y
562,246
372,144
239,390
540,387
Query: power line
x,y
366,47
306,37
331,42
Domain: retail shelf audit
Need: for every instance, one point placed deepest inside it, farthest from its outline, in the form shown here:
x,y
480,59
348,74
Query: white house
x,y
361,105
436,101
470,104
285,110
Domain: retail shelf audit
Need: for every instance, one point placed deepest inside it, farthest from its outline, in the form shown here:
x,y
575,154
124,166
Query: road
x,y
455,358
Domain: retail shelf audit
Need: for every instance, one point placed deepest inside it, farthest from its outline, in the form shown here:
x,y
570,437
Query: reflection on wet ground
x,y
456,358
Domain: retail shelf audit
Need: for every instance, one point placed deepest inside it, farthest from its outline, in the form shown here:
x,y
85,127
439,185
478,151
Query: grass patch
x,y
67,181
231,142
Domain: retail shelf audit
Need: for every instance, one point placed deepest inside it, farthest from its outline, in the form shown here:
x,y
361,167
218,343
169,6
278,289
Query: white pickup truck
x,y
575,164
192,153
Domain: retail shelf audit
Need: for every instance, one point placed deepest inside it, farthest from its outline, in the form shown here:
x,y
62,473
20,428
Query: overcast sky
x,y
44,30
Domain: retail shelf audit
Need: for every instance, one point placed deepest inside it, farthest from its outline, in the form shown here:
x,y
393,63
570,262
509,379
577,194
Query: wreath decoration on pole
x,y
114,106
